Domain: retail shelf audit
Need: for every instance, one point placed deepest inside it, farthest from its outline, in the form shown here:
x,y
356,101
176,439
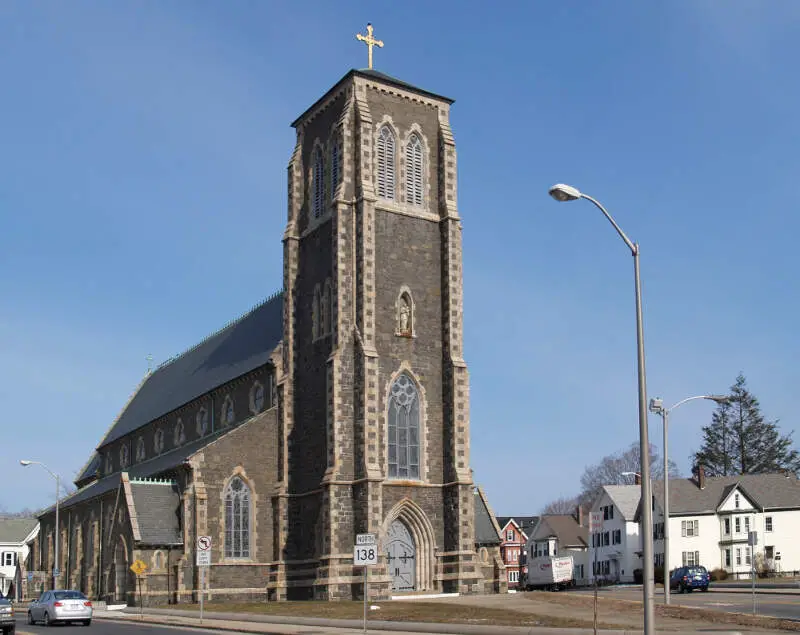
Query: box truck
x,y
550,572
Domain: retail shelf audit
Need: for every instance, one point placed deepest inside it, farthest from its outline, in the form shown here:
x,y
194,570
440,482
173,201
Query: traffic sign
x,y
364,555
204,543
752,538
30,576
203,558
138,567
56,572
365,539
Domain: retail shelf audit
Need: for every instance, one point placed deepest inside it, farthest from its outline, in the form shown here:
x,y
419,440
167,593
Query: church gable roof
x,y
237,349
156,504
487,531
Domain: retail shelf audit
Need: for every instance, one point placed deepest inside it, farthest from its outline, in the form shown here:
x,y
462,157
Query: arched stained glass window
x,y
414,171
404,429
237,519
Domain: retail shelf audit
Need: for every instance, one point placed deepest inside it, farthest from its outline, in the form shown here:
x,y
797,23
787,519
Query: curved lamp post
x,y
657,407
561,192
55,540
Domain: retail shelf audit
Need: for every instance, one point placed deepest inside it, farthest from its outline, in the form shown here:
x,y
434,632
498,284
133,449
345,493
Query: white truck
x,y
550,572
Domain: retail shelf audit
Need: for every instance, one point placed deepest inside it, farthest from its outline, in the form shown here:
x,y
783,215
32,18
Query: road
x,y
783,606
103,627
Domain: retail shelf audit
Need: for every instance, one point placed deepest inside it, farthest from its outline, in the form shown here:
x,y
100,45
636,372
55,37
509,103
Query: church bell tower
x,y
374,389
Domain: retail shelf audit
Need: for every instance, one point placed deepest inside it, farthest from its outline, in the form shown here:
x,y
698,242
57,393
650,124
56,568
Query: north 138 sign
x,y
365,550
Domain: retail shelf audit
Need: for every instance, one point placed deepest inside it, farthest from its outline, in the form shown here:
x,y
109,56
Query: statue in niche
x,y
404,316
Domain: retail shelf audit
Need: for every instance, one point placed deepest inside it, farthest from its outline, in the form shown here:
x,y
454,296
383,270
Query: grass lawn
x,y
405,611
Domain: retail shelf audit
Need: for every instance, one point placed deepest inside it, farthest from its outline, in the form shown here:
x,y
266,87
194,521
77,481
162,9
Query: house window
x,y
318,179
509,534
414,171
8,558
747,555
691,558
606,536
727,557
237,519
690,528
727,526
768,523
736,500
335,160
513,576
605,512
747,524
386,163
738,556
404,432
737,522
611,512
616,537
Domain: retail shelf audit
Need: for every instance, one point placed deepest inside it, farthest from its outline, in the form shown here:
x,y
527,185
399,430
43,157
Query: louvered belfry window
x,y
334,168
386,163
414,171
319,183
237,519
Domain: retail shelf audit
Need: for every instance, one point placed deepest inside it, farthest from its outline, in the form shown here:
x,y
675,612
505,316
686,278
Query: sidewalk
x,y
275,625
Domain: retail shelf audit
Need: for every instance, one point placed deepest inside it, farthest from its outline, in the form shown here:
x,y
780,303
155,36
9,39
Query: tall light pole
x,y
657,407
57,531
561,192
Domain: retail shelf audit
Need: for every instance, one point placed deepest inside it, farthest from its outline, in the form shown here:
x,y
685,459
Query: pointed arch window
x,y
237,519
414,171
404,429
335,166
124,455
318,179
179,434
141,450
386,163
228,412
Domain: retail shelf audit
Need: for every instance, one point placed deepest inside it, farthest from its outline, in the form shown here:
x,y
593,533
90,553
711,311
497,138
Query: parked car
x,y
7,621
60,606
686,579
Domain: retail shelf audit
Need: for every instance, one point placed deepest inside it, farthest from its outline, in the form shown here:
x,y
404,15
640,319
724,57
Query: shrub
x,y
719,574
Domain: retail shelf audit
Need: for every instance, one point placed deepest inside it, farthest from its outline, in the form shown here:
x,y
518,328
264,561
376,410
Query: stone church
x,y
336,407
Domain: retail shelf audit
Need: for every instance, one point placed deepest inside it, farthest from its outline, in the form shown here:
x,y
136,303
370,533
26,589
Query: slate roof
x,y
625,498
16,530
486,532
565,528
237,349
766,491
526,523
156,505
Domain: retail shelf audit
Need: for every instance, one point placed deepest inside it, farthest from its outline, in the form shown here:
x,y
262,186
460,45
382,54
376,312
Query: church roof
x,y
240,347
156,504
370,73
486,530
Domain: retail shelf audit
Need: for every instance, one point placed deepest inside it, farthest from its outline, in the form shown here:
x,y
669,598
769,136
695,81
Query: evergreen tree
x,y
739,440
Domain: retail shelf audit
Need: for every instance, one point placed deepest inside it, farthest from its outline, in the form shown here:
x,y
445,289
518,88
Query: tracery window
x,y
124,456
141,450
237,519
404,429
386,160
318,183
414,171
257,394
202,422
228,413
158,441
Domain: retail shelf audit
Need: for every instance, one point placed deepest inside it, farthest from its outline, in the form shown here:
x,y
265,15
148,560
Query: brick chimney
x,y
579,515
637,480
700,476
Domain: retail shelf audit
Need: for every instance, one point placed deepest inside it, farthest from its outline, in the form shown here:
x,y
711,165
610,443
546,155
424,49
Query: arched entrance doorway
x,y
121,572
401,557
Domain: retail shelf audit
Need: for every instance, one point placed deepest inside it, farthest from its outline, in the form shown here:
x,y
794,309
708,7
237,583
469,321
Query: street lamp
x,y
58,489
561,192
657,407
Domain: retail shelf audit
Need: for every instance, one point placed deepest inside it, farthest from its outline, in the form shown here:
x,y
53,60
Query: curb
x,y
404,627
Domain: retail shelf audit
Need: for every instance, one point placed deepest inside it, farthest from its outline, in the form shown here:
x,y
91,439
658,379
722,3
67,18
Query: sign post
x,y
595,527
203,561
365,553
752,540
138,568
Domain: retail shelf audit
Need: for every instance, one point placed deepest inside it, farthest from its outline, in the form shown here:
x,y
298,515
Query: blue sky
x,y
142,202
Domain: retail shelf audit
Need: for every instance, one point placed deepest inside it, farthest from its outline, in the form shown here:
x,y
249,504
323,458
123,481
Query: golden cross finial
x,y
369,41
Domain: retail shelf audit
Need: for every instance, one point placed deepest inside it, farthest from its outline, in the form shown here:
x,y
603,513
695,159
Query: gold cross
x,y
369,41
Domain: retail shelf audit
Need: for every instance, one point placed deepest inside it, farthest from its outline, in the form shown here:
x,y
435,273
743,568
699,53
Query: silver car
x,y
60,606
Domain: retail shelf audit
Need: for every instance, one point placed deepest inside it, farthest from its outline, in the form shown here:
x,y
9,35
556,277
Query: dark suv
x,y
7,621
686,579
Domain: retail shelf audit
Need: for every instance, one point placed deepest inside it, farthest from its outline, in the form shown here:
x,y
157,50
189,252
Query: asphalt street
x,y
774,605
103,627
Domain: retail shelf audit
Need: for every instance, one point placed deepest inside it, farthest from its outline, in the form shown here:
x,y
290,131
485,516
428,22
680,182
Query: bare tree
x,y
563,505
